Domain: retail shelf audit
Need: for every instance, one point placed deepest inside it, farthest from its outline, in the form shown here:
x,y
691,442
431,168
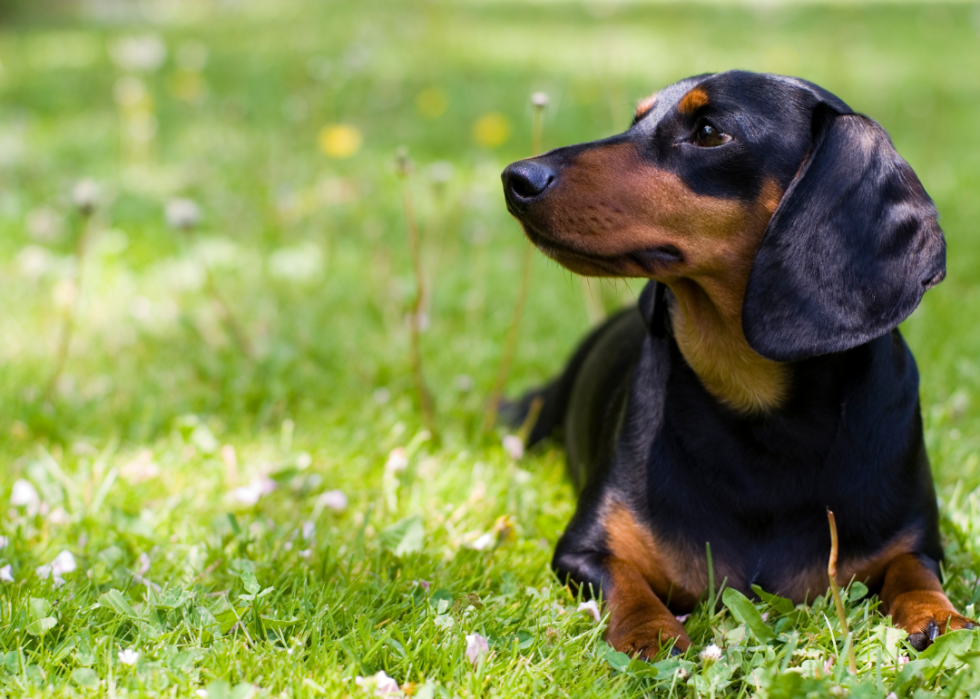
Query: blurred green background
x,y
280,121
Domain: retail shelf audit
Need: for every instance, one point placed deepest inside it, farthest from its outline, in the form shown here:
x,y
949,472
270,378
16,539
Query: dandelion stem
x,y
69,320
538,101
232,325
426,403
835,591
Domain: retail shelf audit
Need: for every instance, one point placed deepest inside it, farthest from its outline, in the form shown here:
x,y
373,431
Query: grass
x,y
159,418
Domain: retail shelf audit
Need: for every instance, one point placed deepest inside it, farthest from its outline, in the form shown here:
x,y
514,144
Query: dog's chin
x,y
649,262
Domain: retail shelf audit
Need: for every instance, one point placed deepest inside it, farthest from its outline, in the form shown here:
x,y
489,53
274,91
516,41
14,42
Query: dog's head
x,y
741,176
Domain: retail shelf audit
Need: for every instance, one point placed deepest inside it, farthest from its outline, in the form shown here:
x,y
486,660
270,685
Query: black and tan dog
x,y
762,379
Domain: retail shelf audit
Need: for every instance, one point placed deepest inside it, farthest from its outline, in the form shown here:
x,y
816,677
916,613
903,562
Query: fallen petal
x,y
333,500
477,648
6,574
514,446
591,607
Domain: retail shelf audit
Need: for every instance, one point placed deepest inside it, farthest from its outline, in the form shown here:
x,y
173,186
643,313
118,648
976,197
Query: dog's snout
x,y
526,180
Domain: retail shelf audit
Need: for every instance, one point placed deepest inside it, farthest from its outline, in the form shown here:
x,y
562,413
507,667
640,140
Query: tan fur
x,y
869,570
913,596
644,106
692,101
599,215
673,575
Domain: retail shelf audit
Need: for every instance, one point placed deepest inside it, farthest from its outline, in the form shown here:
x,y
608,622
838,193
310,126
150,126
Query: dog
x,y
761,379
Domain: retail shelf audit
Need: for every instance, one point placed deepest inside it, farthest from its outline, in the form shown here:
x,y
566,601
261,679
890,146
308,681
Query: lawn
x,y
229,446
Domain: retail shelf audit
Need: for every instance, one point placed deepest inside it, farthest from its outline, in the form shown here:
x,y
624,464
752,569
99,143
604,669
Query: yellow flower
x,y
491,130
340,140
432,102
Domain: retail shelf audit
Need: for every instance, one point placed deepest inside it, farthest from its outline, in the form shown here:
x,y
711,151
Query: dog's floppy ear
x,y
850,250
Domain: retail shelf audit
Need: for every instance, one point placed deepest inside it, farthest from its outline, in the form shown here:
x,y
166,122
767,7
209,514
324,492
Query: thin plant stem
x,y
835,591
70,319
538,101
232,325
426,402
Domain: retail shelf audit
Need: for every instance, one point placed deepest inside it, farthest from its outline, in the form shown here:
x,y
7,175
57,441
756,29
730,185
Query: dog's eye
x,y
707,136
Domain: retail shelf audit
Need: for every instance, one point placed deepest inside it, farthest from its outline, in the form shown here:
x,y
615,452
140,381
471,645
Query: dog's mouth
x,y
644,262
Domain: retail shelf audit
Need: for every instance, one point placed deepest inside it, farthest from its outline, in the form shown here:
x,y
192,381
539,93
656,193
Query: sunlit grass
x,y
180,470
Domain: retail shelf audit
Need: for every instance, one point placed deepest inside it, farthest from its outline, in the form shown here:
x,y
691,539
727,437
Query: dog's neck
x,y
707,324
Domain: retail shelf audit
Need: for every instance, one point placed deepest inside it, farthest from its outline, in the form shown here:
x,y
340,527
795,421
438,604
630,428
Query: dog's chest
x,y
758,491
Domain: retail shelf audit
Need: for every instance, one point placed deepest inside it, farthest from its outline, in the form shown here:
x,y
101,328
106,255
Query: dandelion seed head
x,y
85,196
182,214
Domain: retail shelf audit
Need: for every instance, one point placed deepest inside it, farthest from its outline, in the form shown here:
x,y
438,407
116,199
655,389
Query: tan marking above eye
x,y
693,101
644,106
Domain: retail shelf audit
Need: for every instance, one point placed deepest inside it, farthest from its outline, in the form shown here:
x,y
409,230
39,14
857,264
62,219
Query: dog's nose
x,y
526,180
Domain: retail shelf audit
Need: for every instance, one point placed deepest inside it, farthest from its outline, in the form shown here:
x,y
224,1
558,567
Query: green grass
x,y
159,416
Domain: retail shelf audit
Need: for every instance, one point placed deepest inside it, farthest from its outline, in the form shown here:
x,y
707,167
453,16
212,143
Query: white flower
x,y
58,516
128,656
383,685
591,607
477,648
146,52
6,574
63,563
333,500
891,695
539,99
308,529
483,542
183,214
4,542
203,693
397,460
514,446
85,195
25,495
143,564
250,494
711,654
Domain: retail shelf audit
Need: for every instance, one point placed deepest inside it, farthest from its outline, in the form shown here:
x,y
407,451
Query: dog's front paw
x,y
645,639
925,615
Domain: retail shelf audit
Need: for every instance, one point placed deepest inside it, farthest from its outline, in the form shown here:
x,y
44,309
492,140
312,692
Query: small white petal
x,y
309,530
333,500
711,653
64,562
591,607
477,648
397,460
58,517
25,495
484,541
143,564
539,99
203,693
514,446
4,542
6,574
128,656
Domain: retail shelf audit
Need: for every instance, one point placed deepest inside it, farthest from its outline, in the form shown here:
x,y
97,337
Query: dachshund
x,y
761,379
